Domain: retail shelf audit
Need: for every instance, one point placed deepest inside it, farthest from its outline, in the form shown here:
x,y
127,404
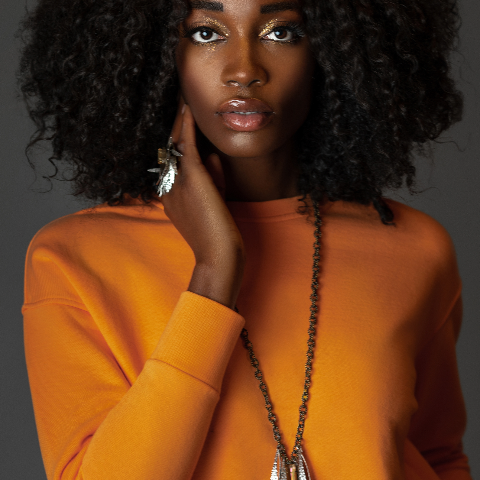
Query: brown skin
x,y
234,61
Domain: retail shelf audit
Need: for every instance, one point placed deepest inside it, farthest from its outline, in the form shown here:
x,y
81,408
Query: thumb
x,y
215,169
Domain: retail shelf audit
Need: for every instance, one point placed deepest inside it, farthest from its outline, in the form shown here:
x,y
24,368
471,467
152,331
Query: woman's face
x,y
245,69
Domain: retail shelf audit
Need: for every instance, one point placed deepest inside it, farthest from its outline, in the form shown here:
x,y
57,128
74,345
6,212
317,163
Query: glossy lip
x,y
245,105
234,114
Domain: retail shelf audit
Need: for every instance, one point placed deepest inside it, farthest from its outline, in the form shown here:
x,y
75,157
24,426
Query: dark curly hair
x,y
100,83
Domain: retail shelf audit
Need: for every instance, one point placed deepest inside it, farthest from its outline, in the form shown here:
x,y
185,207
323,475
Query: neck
x,y
259,179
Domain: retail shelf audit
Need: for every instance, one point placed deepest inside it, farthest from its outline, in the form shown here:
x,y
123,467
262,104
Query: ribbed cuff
x,y
199,338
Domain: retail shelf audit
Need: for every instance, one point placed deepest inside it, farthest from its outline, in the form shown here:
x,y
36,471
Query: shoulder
x,y
432,259
412,230
413,260
420,232
417,244
417,222
91,242
90,224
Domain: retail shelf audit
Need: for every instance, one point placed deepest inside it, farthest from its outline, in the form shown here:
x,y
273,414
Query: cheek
x,y
197,82
297,88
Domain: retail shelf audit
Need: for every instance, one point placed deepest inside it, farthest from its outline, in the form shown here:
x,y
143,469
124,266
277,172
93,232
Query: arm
x,y
438,425
93,424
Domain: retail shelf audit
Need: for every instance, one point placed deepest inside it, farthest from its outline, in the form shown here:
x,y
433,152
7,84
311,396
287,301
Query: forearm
x,y
156,431
93,424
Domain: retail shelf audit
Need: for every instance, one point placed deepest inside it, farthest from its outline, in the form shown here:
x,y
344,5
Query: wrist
x,y
219,278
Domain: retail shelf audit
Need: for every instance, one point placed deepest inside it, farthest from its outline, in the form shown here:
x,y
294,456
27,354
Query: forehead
x,y
252,6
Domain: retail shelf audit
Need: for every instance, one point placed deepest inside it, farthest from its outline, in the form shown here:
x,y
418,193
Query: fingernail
x,y
183,108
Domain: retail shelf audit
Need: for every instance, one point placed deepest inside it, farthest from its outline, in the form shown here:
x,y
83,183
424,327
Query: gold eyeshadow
x,y
216,26
269,27
220,28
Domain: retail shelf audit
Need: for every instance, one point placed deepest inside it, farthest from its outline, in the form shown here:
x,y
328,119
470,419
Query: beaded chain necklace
x,y
296,467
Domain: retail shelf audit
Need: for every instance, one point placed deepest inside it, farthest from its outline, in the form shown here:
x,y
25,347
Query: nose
x,y
244,66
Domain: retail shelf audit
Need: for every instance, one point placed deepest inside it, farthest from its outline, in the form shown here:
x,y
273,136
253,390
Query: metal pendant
x,y
279,470
303,471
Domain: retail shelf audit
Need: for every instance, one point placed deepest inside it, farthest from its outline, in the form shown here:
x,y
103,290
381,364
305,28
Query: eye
x,y
204,35
290,33
282,34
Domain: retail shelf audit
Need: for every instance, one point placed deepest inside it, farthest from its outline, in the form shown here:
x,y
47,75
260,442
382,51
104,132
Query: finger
x,y
177,124
187,144
215,169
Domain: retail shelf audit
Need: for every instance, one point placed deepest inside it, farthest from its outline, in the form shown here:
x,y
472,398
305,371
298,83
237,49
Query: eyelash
x,y
291,27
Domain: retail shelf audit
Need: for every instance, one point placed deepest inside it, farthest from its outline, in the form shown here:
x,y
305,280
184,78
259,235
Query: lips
x,y
245,115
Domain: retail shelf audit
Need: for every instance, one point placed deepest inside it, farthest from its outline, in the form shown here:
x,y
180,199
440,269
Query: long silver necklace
x,y
294,468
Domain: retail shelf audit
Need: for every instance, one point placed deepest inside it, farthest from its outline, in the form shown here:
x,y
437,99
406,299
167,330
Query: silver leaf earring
x,y
166,176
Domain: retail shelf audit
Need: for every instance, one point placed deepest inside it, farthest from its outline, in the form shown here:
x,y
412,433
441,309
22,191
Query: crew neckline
x,y
270,208
282,207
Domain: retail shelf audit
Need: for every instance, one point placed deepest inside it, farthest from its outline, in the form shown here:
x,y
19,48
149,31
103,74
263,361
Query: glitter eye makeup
x,y
293,30
208,32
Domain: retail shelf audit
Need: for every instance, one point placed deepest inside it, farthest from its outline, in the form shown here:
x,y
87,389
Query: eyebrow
x,y
279,7
212,6
269,8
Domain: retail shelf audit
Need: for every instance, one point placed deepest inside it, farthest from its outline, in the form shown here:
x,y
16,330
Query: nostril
x,y
241,84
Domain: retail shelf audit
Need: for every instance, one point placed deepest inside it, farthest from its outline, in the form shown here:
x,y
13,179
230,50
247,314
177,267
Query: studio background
x,y
451,195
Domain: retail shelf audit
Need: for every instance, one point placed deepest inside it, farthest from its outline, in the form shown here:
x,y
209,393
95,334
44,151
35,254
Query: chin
x,y
260,143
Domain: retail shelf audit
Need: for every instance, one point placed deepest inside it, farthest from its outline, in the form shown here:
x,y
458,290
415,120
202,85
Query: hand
x,y
196,207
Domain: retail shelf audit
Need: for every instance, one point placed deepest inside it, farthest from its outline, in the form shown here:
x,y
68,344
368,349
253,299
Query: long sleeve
x,y
93,424
125,365
133,377
438,425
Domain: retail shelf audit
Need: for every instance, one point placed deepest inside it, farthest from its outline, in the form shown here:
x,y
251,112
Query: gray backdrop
x,y
451,196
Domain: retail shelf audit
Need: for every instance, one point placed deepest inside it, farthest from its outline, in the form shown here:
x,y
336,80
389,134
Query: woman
x,y
291,120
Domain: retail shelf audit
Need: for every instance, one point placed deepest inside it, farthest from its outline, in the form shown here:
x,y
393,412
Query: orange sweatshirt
x,y
133,377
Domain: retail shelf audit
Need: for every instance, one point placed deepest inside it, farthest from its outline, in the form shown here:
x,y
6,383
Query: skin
x,y
239,52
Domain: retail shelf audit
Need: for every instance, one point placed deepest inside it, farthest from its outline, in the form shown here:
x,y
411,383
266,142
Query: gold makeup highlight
x,y
216,27
206,24
222,30
293,27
